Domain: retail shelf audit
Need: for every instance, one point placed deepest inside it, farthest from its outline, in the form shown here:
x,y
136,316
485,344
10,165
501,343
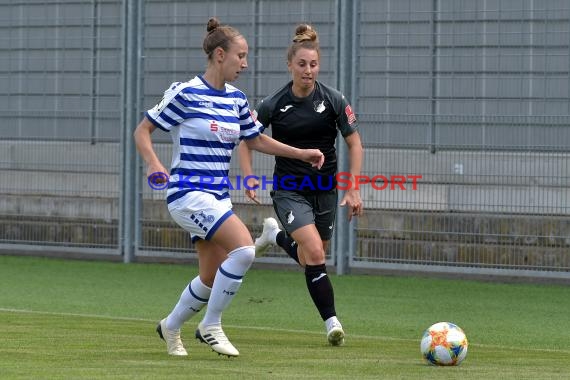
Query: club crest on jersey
x,y
319,106
202,220
206,219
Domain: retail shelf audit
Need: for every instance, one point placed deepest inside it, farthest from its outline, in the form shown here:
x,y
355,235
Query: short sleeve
x,y
346,121
263,113
249,126
163,114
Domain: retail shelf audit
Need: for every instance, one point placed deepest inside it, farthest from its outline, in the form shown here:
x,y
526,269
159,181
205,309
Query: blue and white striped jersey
x,y
205,125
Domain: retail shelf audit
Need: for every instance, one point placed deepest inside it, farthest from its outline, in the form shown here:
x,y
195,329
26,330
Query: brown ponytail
x,y
218,36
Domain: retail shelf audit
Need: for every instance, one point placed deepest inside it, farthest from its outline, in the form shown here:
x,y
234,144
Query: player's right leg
x,y
192,299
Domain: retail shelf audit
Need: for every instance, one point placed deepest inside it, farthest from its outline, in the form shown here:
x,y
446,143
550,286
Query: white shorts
x,y
200,213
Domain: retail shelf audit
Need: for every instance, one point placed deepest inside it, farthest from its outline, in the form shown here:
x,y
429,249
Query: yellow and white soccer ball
x,y
444,343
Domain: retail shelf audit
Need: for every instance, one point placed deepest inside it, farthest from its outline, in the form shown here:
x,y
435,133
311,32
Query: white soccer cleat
x,y
214,336
267,238
172,338
335,333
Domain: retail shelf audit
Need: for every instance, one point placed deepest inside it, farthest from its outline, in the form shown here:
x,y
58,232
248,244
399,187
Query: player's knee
x,y
244,256
313,253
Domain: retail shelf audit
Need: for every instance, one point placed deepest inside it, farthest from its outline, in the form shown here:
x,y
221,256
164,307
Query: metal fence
x,y
470,97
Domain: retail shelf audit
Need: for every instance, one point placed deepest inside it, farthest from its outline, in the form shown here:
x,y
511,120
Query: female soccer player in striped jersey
x,y
206,117
303,113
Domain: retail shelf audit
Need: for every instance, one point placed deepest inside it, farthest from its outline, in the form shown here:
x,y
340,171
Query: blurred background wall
x,y
473,95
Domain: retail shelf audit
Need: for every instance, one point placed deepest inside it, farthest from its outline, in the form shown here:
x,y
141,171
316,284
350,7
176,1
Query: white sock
x,y
191,301
227,282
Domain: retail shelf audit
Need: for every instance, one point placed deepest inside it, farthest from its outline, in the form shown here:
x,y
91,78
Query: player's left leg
x,y
312,253
268,236
233,237
318,282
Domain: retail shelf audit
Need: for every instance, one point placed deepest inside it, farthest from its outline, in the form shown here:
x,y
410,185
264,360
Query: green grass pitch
x,y
64,319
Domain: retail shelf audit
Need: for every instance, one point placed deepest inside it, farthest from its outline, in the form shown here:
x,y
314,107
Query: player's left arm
x,y
348,126
352,197
268,145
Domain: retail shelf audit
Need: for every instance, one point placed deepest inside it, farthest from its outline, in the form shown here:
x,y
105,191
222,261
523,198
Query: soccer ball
x,y
444,343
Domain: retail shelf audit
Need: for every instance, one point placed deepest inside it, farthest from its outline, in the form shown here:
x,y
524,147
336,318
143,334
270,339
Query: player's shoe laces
x,y
172,338
214,336
267,238
335,333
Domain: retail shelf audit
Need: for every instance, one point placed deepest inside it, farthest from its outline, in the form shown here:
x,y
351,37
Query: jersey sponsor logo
x,y
228,134
225,134
284,109
206,104
319,106
350,115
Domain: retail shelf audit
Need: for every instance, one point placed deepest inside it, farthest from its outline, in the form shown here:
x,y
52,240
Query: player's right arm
x,y
143,142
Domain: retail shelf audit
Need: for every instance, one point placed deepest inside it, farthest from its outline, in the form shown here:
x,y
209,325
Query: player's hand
x,y
353,201
157,176
252,183
313,156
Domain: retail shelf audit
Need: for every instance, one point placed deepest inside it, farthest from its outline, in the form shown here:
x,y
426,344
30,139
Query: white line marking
x,y
373,337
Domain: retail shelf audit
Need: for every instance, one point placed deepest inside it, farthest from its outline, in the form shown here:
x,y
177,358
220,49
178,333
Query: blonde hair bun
x,y
305,32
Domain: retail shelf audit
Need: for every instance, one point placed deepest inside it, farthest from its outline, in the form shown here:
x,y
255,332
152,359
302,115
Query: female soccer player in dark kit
x,y
302,113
